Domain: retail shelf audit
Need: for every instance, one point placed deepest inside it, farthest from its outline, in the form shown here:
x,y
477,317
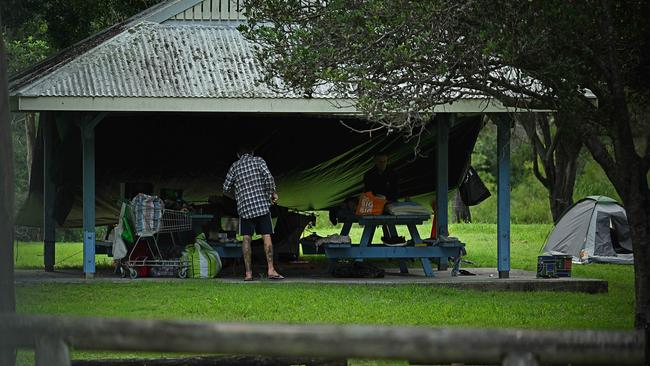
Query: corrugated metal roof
x,y
163,60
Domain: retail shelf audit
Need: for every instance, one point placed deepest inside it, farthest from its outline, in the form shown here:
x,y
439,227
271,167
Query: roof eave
x,y
234,105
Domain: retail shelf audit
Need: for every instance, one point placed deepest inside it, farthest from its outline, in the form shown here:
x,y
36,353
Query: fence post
x,y
51,352
520,359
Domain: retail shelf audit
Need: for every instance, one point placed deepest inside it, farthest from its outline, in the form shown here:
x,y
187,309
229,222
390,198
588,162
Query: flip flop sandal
x,y
276,277
248,279
466,273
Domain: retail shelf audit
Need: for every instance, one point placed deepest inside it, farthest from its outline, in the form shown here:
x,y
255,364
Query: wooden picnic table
x,y
415,249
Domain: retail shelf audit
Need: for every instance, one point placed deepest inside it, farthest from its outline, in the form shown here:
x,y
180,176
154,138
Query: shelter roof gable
x,y
163,60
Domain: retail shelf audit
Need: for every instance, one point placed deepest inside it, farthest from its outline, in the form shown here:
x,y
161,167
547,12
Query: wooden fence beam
x,y
215,361
420,345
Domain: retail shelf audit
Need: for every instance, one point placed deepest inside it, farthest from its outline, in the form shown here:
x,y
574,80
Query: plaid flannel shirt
x,y
253,184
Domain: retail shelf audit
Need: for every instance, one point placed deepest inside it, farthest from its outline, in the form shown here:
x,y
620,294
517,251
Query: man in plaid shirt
x,y
254,189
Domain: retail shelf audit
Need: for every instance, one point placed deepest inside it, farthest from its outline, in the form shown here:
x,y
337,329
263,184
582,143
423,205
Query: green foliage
x,y
70,21
592,181
25,52
485,153
528,204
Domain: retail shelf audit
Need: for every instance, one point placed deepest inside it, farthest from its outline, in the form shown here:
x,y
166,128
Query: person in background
x,y
254,191
384,181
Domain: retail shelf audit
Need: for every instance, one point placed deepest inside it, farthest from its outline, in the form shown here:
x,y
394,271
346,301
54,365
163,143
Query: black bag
x,y
472,190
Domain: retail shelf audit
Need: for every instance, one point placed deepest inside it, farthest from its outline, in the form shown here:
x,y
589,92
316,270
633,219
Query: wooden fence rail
x,y
51,337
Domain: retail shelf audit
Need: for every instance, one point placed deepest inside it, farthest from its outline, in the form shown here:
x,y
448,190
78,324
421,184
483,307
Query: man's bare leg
x,y
268,249
246,249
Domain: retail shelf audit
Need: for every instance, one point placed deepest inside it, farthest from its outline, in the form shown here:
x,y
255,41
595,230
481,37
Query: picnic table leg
x,y
347,225
366,238
368,233
415,235
403,268
332,266
426,266
443,264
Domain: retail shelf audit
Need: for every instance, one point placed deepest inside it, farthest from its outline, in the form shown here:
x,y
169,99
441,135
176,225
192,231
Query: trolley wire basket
x,y
149,218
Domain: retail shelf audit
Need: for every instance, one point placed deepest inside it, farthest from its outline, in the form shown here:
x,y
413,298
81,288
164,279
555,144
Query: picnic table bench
x,y
424,250
416,248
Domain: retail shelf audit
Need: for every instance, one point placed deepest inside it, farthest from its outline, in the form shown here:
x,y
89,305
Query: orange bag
x,y
369,204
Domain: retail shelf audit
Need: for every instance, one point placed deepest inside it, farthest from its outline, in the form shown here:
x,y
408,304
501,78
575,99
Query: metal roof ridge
x,y
221,24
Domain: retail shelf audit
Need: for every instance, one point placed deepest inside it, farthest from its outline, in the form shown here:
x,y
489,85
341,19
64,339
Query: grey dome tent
x,y
594,229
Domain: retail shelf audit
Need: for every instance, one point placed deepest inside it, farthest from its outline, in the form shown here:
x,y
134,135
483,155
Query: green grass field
x,y
342,304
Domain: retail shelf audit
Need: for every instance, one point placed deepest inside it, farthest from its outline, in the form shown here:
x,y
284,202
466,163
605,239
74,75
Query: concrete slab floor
x,y
484,279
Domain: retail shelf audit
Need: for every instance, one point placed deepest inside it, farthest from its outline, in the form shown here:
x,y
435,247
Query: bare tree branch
x,y
530,127
369,130
544,180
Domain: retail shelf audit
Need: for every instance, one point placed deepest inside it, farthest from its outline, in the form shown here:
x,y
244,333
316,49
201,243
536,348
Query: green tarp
x,y
317,161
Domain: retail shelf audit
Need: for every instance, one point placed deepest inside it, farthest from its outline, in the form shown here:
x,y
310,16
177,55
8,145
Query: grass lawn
x,y
344,304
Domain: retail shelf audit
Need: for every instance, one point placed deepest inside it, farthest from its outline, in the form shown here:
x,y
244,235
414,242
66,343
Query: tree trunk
x,y
564,177
628,173
558,154
637,206
7,294
30,141
638,210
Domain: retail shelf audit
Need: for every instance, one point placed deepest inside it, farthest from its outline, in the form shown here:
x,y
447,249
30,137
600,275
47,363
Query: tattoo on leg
x,y
268,250
269,253
246,249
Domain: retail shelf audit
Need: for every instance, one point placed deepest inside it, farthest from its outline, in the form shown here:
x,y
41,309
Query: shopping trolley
x,y
149,218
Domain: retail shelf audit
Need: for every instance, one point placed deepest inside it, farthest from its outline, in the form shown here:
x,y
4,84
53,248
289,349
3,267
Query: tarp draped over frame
x,y
317,161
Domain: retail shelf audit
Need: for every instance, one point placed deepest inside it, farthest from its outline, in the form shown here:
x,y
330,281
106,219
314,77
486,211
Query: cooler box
x,y
563,265
546,266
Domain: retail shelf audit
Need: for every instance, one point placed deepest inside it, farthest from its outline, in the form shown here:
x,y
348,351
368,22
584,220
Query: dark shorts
x,y
261,225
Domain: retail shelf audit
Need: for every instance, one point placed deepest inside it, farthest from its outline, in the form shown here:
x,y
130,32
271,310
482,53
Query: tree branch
x,y
544,180
369,130
530,126
601,155
554,143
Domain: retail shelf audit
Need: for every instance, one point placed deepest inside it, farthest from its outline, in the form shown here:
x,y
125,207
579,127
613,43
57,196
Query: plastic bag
x,y
369,204
472,190
203,261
